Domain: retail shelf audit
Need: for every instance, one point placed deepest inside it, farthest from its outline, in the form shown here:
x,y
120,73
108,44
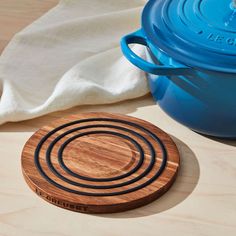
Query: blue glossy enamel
x,y
191,46
197,33
139,38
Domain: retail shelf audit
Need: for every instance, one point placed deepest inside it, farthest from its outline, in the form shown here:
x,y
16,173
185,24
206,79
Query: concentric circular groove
x,y
60,153
64,145
47,173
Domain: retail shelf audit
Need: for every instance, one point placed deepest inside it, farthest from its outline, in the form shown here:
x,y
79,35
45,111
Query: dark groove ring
x,y
158,173
62,164
87,178
137,167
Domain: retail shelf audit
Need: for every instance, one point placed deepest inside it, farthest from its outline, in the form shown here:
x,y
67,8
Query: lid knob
x,y
231,18
234,4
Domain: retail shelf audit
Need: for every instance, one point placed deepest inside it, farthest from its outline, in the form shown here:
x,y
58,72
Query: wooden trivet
x,y
100,163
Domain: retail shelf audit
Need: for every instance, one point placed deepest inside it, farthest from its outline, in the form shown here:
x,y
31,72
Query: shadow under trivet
x,y
100,163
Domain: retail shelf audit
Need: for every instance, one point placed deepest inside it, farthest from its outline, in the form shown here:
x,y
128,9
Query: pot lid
x,y
197,33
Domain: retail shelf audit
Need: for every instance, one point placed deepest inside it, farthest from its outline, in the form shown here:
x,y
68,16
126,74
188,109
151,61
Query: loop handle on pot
x,y
139,38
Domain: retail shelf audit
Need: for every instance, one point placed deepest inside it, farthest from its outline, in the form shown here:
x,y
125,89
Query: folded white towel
x,y
70,57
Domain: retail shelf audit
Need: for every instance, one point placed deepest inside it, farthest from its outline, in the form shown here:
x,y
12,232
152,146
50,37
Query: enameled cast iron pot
x,y
191,61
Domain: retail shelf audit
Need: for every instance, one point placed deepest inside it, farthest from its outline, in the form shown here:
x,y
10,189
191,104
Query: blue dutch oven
x,y
191,61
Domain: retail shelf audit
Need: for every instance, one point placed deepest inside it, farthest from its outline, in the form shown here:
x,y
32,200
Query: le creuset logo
x,y
221,39
59,202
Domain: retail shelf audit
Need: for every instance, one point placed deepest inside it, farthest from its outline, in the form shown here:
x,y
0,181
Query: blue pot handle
x,y
139,38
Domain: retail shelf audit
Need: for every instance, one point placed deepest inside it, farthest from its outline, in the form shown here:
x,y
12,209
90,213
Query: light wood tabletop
x,y
201,202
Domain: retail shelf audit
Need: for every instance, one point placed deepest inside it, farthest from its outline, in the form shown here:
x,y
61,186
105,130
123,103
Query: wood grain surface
x,y
100,162
17,14
202,201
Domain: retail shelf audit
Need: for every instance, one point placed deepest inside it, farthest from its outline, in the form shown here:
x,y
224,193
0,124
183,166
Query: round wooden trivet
x,y
100,163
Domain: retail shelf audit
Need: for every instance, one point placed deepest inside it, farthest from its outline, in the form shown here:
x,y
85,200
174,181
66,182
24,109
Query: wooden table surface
x,y
201,202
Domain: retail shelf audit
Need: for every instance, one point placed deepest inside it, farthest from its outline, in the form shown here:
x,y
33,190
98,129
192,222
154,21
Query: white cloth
x,y
69,57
